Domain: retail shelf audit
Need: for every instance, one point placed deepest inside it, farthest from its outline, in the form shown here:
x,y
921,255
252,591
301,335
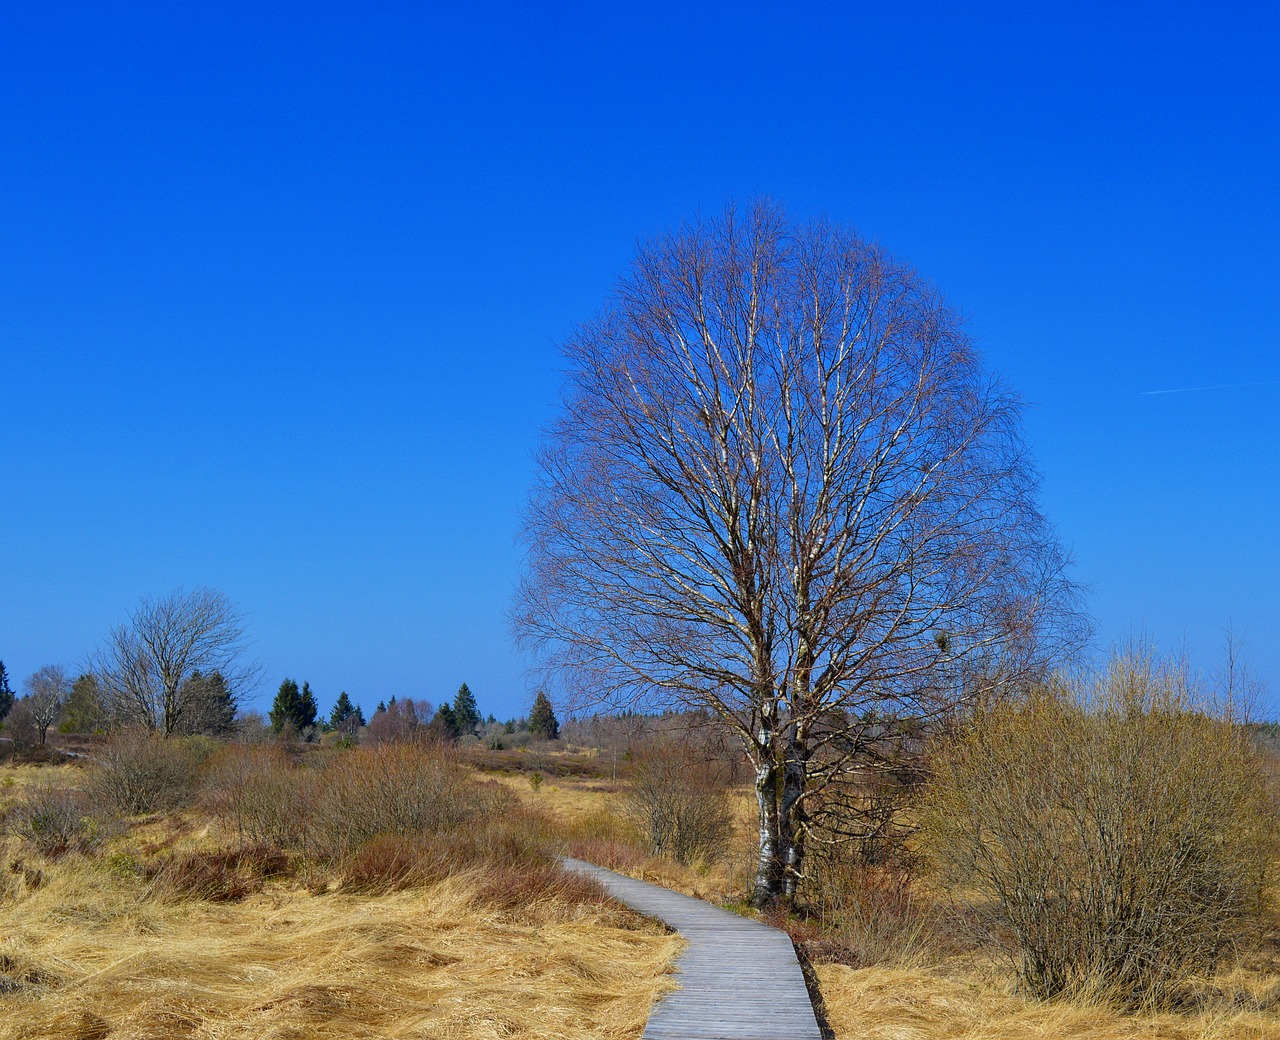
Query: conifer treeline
x,y
295,711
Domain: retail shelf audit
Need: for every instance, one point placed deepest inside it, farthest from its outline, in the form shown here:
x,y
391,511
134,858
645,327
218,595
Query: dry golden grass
x,y
97,957
588,814
89,948
15,778
905,1003
96,954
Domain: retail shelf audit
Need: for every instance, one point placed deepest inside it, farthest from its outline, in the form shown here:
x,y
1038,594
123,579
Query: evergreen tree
x,y
6,693
209,705
382,706
84,711
346,717
466,713
308,709
444,725
287,707
542,719
219,706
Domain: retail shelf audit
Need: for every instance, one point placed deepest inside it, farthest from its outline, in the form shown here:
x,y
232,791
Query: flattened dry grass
x,y
90,953
178,927
906,1003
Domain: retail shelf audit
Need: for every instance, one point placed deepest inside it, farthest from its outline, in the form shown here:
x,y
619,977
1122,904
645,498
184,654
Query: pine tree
x,y
542,719
307,709
219,706
346,717
286,708
210,706
466,713
444,725
6,692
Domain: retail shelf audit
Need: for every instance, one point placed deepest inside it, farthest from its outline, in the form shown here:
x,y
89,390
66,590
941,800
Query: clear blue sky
x,y
282,288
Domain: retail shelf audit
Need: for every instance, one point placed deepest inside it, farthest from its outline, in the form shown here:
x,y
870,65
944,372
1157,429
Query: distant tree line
x,y
176,666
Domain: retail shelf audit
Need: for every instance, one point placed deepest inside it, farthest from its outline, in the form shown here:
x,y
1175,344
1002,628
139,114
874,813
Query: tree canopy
x,y
143,671
47,692
346,717
782,488
289,711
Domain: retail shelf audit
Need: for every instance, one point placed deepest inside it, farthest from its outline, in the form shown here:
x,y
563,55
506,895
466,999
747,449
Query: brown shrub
x,y
219,876
678,798
54,820
385,817
612,853
260,792
862,914
400,789
388,863
512,887
1119,832
513,842
140,772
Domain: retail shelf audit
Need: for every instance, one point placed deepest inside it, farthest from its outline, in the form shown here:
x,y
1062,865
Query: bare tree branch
x,y
782,488
145,669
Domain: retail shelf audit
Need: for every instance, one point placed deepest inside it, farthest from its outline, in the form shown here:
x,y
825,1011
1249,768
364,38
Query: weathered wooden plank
x,y
739,979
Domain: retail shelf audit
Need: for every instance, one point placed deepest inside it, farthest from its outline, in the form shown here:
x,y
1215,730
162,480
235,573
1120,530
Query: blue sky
x,y
282,289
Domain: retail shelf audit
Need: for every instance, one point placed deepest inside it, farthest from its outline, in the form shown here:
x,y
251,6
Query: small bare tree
x,y
783,489
145,669
47,692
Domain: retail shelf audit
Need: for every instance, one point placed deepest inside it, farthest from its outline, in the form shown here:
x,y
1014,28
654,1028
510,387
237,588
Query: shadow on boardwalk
x,y
739,979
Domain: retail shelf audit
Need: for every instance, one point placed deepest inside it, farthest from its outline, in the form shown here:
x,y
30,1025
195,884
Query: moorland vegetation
x,y
1093,858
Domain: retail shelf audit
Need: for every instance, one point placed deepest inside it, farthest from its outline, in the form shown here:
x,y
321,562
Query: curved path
x,y
739,979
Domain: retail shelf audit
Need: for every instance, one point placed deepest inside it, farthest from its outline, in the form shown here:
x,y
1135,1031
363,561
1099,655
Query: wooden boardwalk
x,y
739,979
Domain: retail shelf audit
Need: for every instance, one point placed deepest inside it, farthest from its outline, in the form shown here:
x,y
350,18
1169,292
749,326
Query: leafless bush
x,y
401,721
1120,832
219,875
514,840
139,772
388,863
862,914
514,886
402,789
54,820
509,854
20,724
257,790
678,799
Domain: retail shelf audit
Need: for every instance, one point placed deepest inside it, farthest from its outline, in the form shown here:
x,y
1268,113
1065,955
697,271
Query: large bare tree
x,y
782,488
150,671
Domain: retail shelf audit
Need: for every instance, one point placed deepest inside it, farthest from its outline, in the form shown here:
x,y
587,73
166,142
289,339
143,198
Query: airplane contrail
x,y
1220,386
